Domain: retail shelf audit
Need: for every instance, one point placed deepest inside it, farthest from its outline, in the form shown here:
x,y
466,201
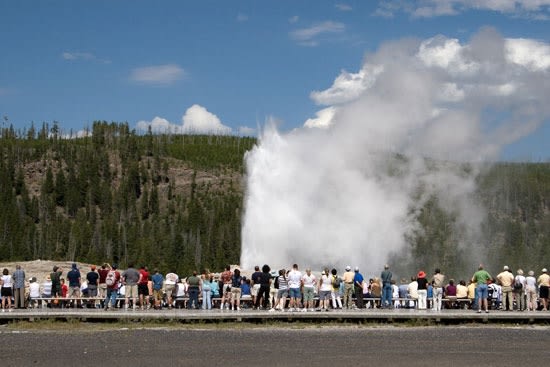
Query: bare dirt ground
x,y
42,268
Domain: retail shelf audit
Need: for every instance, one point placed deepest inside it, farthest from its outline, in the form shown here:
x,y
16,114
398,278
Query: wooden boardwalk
x,y
259,316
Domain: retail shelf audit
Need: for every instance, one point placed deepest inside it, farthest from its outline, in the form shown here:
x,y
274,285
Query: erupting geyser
x,y
345,191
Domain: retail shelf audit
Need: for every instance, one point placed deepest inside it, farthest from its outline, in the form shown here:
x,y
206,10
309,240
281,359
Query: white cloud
x,y
532,54
323,118
77,56
539,9
347,86
84,56
158,74
159,125
198,120
343,7
310,36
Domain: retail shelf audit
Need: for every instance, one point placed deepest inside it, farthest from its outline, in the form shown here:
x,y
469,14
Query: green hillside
x,y
176,202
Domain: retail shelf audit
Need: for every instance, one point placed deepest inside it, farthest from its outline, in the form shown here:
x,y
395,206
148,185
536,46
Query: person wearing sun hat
x,y
422,290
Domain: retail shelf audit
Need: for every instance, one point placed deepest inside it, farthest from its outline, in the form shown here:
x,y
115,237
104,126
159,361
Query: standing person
x,y
92,277
55,277
112,281
385,277
519,290
438,281
358,284
102,287
265,283
236,283
158,281
544,286
325,289
225,279
194,288
7,288
422,290
131,278
206,279
506,280
170,282
348,287
143,288
19,287
73,276
335,293
531,291
282,293
255,278
481,278
294,285
309,281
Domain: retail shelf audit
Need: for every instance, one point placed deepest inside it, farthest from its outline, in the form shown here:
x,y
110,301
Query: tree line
x,y
176,202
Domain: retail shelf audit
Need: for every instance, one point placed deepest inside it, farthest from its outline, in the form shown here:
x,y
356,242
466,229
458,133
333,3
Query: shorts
x,y
143,289
482,291
74,292
324,295
235,294
131,290
295,293
254,290
6,292
157,294
282,293
169,289
309,293
226,288
543,291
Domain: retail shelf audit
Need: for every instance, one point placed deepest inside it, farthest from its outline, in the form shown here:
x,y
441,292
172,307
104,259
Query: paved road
x,y
280,346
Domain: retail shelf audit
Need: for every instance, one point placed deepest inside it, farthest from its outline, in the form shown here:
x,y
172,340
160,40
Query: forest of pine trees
x,y
176,202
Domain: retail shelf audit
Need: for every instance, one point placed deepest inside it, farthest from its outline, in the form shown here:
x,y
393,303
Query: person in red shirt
x,y
113,282
143,288
102,287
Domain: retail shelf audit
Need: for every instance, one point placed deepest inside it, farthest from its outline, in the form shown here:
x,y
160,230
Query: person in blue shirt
x,y
358,285
245,287
158,280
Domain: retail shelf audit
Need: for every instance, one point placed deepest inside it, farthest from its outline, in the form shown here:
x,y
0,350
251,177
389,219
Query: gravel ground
x,y
279,346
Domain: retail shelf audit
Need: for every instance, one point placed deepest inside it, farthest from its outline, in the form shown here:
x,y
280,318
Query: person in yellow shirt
x,y
544,284
506,280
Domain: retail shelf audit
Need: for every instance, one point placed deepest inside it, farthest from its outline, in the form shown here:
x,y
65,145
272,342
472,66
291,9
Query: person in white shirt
x,y
325,290
34,292
294,285
309,282
7,290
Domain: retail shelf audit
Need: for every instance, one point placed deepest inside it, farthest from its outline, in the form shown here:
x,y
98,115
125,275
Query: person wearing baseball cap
x,y
348,287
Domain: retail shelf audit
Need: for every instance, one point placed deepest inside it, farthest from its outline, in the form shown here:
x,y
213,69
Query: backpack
x,y
517,285
336,281
110,280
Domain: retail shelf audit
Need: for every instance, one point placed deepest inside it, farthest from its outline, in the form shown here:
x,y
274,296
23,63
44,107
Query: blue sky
x,y
229,65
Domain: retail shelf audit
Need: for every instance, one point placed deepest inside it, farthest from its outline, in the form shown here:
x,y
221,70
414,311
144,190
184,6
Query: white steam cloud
x,y
340,195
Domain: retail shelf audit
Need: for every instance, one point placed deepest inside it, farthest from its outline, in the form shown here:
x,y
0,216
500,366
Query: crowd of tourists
x,y
109,288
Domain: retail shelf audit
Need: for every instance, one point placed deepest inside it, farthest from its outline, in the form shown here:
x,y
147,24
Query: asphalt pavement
x,y
351,345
